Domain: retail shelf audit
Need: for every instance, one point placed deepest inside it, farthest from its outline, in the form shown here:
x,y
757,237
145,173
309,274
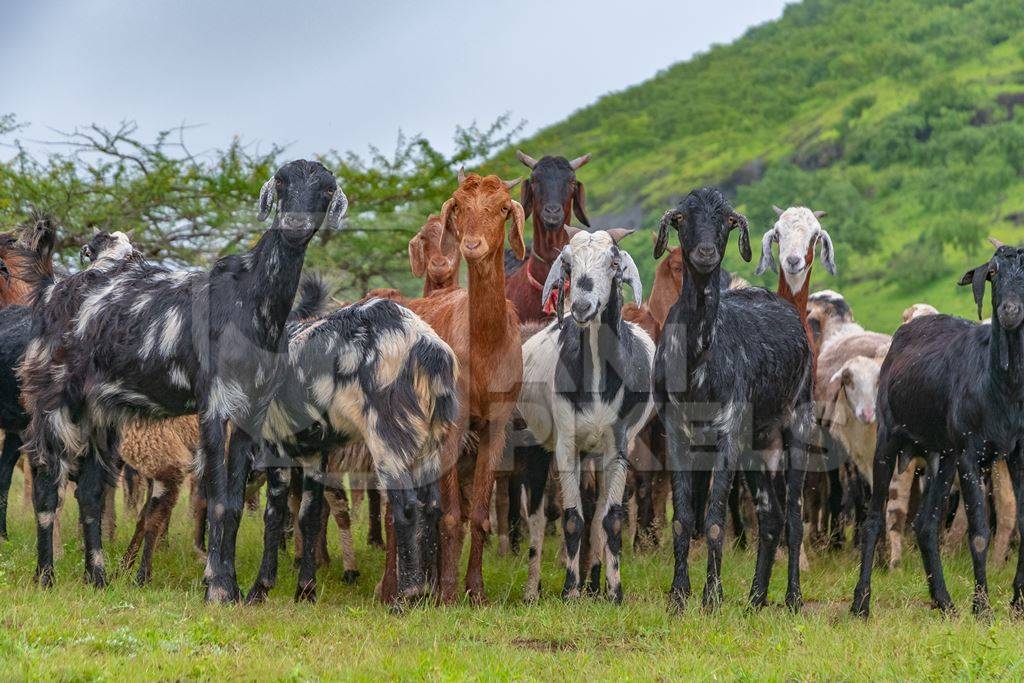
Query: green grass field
x,y
164,631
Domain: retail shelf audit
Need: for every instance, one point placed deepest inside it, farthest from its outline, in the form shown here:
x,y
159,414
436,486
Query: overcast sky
x,y
342,74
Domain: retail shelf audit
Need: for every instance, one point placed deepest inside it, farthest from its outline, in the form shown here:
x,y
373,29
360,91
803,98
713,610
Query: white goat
x,y
587,389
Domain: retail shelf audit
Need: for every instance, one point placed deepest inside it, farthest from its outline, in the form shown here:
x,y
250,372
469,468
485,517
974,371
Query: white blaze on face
x,y
860,382
797,229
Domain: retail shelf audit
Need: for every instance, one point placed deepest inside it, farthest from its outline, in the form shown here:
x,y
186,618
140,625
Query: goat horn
x,y
996,243
617,234
579,161
777,210
527,160
571,231
820,214
462,174
512,183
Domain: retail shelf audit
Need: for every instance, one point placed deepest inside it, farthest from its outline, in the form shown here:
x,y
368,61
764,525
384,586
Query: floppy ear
x,y
738,220
526,197
767,260
446,216
828,252
555,273
268,195
417,257
668,219
833,394
515,236
579,204
631,276
977,277
337,210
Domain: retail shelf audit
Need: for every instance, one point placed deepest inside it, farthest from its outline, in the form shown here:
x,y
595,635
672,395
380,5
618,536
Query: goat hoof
x,y
677,598
44,577
477,598
221,592
615,595
795,602
980,607
711,600
861,605
350,576
306,592
97,578
257,595
141,579
945,607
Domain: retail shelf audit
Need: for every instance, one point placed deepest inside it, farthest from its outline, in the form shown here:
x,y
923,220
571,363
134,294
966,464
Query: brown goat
x,y
29,247
482,328
434,253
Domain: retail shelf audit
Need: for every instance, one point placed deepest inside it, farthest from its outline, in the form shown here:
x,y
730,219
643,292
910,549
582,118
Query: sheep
x,y
548,194
586,388
828,316
375,373
482,327
951,390
742,357
129,339
918,310
434,256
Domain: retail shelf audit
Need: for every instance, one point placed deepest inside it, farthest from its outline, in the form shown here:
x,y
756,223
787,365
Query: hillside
x,y
896,116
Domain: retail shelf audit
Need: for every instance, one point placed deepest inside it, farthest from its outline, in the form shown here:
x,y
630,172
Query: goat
x,y
130,339
551,191
31,250
952,390
586,388
737,356
482,328
917,310
828,315
434,256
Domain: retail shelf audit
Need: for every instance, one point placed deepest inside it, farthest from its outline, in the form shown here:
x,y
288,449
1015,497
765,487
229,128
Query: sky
x,y
321,75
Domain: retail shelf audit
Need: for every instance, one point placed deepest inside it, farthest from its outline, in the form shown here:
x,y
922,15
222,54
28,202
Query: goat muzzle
x,y
705,258
1010,314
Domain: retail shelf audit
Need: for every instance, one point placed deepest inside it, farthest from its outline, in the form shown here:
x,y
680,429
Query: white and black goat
x,y
126,339
587,389
373,373
737,361
951,391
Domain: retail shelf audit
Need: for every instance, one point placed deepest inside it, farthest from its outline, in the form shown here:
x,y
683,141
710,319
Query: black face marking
x,y
585,283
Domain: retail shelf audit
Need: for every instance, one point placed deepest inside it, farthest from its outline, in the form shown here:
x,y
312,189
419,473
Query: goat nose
x,y
471,243
706,250
580,309
793,261
438,262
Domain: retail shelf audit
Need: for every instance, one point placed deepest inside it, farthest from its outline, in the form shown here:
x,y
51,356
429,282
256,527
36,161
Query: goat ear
x,y
515,236
446,218
579,204
631,276
833,394
417,257
555,275
977,277
828,252
336,210
767,260
268,195
526,197
661,241
738,220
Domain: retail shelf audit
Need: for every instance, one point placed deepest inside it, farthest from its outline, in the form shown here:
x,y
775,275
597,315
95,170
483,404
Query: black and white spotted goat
x,y
586,389
373,373
126,339
737,361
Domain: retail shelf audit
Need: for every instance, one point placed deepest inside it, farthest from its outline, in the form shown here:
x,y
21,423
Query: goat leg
x,y
278,479
680,465
886,450
163,497
89,492
8,459
614,516
219,585
927,527
972,487
337,502
714,524
1015,465
309,524
1006,510
451,515
492,444
537,463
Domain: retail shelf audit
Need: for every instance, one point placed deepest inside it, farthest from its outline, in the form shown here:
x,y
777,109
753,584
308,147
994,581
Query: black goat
x,y
15,322
129,339
952,390
739,360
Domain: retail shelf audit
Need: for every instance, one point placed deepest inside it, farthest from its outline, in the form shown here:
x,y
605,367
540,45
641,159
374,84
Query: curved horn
x,y
511,183
777,210
820,214
268,195
995,243
767,260
555,275
337,210
618,234
571,231
462,174
528,161
631,276
579,161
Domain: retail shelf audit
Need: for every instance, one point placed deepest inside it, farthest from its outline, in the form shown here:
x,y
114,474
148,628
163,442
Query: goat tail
x,y
313,296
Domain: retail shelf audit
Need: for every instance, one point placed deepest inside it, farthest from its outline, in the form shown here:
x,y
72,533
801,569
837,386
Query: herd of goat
x,y
535,390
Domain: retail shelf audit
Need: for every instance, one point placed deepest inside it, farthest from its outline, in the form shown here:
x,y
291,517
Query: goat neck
x,y
487,304
599,360
275,264
799,300
547,245
1006,361
698,310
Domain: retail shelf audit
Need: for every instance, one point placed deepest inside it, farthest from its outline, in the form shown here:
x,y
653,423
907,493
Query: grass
x,y
164,631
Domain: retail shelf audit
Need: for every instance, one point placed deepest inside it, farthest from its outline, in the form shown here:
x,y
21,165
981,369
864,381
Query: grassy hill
x,y
895,116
